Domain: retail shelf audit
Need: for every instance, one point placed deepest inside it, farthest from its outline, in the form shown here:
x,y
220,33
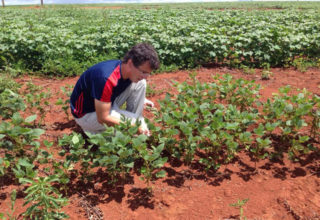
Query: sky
x,y
31,2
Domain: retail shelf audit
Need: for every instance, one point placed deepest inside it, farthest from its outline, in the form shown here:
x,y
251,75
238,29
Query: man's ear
x,y
129,62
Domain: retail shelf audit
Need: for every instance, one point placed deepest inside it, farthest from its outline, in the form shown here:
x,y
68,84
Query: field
x,y
184,38
235,129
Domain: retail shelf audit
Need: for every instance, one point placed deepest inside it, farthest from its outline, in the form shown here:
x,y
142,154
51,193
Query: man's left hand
x,y
147,102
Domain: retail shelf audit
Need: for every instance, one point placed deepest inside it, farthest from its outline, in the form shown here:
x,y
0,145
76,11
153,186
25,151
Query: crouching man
x,y
104,87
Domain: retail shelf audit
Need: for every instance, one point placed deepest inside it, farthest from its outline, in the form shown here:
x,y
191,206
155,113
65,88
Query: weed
x,y
65,102
10,216
239,205
37,101
302,64
45,200
247,70
266,74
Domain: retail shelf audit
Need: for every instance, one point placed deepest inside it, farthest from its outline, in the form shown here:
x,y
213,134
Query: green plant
x,y
202,125
231,39
10,216
297,147
10,103
24,168
36,100
45,201
266,74
65,103
302,64
238,92
151,159
239,205
315,115
215,121
7,82
75,152
19,142
120,147
247,70
266,66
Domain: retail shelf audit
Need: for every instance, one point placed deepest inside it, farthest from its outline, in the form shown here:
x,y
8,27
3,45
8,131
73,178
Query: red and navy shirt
x,y
102,81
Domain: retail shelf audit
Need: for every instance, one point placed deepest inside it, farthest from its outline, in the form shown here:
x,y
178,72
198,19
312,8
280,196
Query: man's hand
x,y
144,131
147,102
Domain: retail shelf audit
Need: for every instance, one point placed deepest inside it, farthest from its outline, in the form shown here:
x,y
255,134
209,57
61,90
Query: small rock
x,y
227,192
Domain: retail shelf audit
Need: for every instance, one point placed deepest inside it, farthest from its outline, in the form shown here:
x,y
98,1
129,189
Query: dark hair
x,y
141,53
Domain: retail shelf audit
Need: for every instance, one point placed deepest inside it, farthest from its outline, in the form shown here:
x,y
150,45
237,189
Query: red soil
x,y
32,7
283,190
102,7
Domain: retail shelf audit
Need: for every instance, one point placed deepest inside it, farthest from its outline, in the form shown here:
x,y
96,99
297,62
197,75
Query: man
x,y
104,87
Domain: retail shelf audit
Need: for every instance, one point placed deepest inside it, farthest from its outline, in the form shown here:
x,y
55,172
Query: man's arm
x,y
104,117
103,113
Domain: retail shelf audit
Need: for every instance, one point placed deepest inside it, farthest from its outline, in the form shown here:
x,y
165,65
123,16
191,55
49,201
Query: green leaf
x,y
23,162
75,139
303,139
161,174
47,143
31,118
143,170
13,197
59,102
159,162
130,165
160,148
260,130
37,132
25,180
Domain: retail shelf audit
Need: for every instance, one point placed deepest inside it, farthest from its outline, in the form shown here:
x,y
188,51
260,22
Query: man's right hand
x,y
144,130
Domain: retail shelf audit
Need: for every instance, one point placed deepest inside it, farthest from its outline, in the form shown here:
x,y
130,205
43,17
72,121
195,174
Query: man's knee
x,y
141,85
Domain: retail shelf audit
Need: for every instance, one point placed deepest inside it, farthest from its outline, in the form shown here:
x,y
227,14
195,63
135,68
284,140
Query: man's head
x,y
141,60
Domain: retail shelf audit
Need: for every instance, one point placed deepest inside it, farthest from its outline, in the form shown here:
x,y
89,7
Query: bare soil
x,y
276,190
102,7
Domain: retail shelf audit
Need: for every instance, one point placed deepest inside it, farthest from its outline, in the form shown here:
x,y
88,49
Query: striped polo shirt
x,y
102,81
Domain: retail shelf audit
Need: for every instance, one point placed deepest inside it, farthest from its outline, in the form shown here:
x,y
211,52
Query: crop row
x,y
67,41
218,120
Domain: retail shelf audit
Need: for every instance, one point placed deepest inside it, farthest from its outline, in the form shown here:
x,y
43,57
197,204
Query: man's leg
x,y
134,95
89,123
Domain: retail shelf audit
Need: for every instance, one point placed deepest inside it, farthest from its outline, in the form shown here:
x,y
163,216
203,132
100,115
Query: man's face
x,y
139,73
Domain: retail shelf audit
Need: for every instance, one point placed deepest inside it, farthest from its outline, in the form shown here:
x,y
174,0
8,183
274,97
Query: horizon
x,y
67,2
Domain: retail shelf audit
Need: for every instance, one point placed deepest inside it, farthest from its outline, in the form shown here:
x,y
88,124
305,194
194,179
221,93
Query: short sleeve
x,y
97,81
103,83
111,82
